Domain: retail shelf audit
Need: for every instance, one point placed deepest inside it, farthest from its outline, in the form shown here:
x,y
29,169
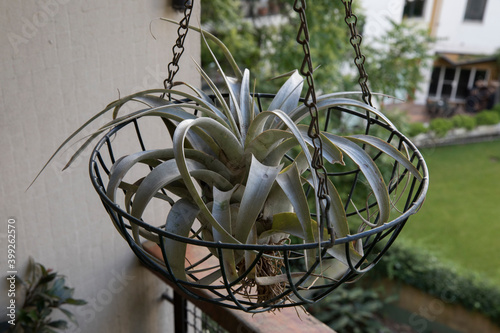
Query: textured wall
x,y
61,61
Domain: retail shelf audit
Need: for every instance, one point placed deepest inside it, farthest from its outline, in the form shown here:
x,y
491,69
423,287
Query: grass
x,y
460,220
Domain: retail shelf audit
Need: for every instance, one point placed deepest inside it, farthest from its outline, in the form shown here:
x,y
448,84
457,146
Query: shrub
x,y
416,129
496,108
464,121
441,126
488,118
351,310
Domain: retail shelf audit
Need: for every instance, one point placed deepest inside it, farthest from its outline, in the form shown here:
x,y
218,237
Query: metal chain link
x,y
310,101
351,20
178,48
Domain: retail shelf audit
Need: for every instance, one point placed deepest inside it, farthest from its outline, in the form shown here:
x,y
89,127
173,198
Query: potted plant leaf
x,y
42,294
238,180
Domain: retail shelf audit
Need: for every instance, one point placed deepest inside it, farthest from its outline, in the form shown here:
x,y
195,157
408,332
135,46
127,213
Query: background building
x,y
467,41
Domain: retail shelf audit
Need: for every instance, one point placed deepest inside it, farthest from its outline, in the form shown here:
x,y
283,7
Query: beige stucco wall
x,y
61,61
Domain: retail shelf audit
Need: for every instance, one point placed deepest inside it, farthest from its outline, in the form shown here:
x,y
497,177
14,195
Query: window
x,y
413,8
475,10
433,87
454,83
463,84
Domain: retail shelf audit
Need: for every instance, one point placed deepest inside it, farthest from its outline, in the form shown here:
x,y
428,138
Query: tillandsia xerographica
x,y
239,172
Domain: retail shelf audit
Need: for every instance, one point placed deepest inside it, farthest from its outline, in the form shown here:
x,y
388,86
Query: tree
x,y
271,50
393,61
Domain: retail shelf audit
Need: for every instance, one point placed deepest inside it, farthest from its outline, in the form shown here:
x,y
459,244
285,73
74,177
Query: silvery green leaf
x,y
290,181
152,101
125,163
246,105
158,178
179,222
236,113
258,124
171,112
250,256
221,211
277,202
388,149
266,142
226,110
369,170
227,143
288,96
231,146
324,103
258,185
330,152
220,44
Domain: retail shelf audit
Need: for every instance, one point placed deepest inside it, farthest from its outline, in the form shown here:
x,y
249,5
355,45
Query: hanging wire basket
x,y
406,191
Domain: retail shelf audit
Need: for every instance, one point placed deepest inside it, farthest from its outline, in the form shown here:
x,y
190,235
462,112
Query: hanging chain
x,y
351,20
178,48
310,101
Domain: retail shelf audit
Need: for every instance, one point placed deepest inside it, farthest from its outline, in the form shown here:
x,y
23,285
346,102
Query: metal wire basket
x,y
407,191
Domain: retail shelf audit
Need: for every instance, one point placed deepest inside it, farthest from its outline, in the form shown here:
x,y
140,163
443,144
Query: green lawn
x,y
460,219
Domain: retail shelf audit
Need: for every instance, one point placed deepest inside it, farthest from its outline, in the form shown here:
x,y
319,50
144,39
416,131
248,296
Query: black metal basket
x,y
296,291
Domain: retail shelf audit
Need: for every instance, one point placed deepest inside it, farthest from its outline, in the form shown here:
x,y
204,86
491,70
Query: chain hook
x,y
351,20
178,48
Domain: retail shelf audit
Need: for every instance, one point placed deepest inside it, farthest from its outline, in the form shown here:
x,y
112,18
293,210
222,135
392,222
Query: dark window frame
x,y
414,9
475,10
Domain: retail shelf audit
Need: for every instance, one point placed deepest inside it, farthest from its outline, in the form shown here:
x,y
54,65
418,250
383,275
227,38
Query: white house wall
x,y
377,13
458,36
61,61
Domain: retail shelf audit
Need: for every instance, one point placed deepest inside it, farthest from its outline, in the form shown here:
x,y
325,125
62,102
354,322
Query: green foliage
x,y
441,126
220,11
464,121
487,118
395,60
416,129
350,310
496,109
44,292
271,50
420,269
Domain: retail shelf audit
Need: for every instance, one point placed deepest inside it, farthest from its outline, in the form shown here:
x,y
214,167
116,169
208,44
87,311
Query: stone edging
x,y
458,136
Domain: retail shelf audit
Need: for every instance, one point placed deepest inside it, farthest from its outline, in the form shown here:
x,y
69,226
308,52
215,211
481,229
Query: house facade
x,y
467,33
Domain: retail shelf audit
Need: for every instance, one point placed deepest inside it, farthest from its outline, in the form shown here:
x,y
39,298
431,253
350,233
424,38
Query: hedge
x,y
420,269
441,126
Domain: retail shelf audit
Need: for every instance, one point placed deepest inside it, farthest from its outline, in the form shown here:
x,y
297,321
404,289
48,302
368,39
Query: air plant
x,y
244,176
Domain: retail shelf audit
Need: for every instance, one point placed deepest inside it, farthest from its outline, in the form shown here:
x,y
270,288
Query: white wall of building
x,y
377,15
456,35
61,61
